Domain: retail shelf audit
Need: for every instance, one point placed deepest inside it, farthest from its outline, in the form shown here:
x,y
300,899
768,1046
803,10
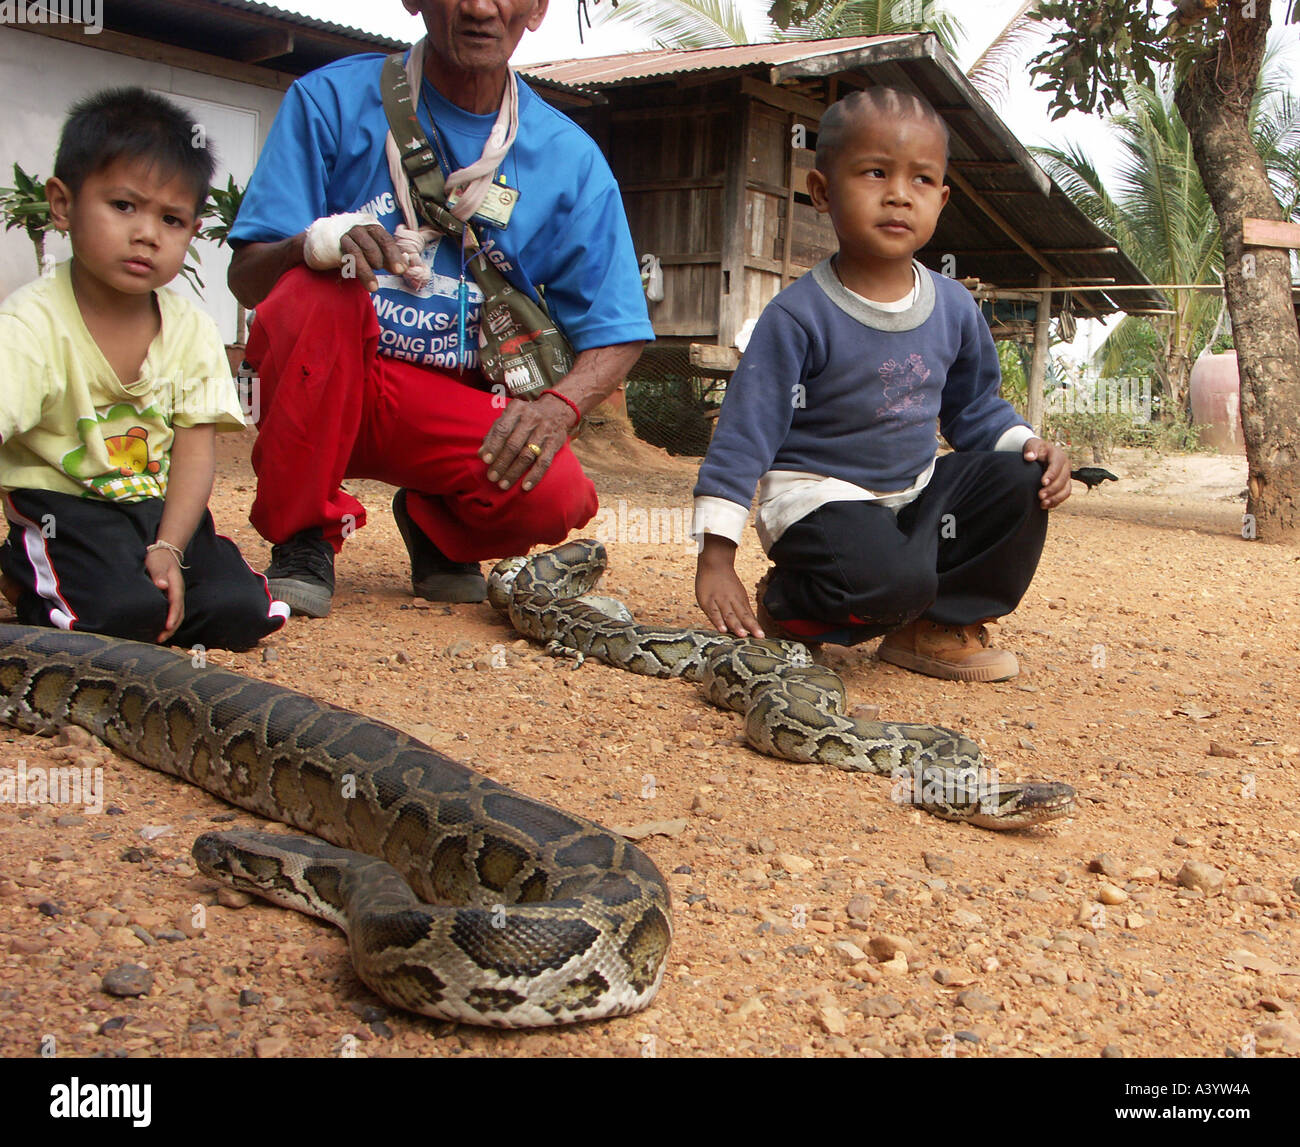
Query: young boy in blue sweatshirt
x,y
831,414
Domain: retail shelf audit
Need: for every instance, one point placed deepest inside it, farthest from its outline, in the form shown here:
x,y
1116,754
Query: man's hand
x,y
165,572
719,591
1056,470
547,421
371,249
544,423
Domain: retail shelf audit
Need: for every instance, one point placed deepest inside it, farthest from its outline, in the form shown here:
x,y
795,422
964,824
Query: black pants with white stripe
x,y
964,551
79,563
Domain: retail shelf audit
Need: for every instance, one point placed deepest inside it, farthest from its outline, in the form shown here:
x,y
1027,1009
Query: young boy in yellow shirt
x,y
111,393
831,414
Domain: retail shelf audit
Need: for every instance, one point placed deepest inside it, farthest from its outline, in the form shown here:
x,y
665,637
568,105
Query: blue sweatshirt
x,y
831,385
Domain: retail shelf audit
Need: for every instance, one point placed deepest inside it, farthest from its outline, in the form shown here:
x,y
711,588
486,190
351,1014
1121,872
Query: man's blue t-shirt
x,y
568,233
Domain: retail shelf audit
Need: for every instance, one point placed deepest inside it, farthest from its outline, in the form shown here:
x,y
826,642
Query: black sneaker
x,y
301,573
434,576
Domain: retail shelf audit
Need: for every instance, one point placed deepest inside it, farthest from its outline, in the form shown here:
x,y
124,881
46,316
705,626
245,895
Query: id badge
x,y
497,206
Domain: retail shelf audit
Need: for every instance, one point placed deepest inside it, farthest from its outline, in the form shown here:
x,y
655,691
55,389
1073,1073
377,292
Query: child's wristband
x,y
176,551
568,402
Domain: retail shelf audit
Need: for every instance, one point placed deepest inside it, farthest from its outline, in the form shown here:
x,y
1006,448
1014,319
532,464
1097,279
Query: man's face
x,y
477,35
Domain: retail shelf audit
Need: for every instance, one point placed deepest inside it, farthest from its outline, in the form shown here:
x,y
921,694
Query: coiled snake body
x,y
793,709
472,902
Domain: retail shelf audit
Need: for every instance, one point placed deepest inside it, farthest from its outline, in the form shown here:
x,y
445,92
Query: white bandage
x,y
322,249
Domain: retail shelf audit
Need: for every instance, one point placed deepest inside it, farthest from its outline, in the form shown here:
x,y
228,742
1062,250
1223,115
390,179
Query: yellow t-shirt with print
x,y
68,424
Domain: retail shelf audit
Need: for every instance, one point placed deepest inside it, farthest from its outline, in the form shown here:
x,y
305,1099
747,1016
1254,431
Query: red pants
x,y
332,407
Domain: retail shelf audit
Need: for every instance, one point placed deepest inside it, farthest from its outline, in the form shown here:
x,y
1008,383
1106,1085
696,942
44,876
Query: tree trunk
x,y
1214,101
1177,369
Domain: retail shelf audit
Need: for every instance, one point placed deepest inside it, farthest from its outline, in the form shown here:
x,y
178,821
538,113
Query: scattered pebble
x,y
1199,875
974,1000
885,946
795,865
1110,894
1255,894
1107,865
832,1020
882,1007
936,862
270,1046
128,980
233,897
861,907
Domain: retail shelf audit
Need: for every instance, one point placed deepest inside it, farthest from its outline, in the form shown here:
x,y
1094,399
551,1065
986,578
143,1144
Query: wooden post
x,y
731,305
1038,368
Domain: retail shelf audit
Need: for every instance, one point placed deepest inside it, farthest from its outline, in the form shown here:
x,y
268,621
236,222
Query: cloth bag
x,y
520,347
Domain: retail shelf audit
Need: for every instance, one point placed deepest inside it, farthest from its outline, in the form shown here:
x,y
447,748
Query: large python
x,y
461,899
793,709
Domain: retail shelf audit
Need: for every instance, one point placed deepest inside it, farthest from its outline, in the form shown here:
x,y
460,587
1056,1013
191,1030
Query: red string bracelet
x,y
568,402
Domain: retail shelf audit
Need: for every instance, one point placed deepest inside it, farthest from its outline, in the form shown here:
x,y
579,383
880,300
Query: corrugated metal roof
x,y
602,71
1005,221
243,31
302,21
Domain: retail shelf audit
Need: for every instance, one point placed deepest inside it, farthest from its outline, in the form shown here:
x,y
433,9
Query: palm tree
x,y
880,17
682,23
1160,212
719,23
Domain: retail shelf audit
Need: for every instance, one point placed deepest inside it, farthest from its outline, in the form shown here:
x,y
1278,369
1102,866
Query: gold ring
x,y
534,449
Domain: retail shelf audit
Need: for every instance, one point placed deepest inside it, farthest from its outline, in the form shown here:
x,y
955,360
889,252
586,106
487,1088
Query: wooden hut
x,y
712,148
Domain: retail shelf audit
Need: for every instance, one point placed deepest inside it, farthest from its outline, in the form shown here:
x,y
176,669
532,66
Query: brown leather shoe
x,y
951,652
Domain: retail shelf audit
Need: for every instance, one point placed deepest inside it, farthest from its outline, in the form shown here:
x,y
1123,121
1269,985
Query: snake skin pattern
x,y
793,709
461,899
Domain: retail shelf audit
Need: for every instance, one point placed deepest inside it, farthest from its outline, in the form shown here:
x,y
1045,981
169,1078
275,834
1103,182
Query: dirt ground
x,y
1160,659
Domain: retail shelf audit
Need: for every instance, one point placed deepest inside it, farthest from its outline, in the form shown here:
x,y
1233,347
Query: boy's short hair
x,y
131,123
839,119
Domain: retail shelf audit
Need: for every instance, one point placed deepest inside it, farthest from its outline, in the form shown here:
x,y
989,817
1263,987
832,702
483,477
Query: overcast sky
x,y
1024,110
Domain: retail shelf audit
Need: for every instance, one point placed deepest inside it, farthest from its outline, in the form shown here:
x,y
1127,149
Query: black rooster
x,y
1092,476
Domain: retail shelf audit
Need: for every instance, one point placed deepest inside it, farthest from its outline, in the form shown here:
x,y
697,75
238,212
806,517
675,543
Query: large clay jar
x,y
1216,402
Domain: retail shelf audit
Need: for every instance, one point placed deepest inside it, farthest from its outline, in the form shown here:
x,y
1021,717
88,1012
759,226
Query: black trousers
x,y
80,565
964,551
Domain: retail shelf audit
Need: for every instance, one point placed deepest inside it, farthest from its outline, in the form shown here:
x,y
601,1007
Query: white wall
x,y
42,76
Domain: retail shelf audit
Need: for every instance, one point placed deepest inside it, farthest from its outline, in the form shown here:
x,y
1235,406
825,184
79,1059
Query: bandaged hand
x,y
323,248
358,242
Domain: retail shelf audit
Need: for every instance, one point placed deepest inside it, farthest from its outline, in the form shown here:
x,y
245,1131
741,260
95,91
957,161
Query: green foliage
x,y
222,205
1015,375
684,23
24,205
1099,47
1161,214
1096,435
879,17
784,13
